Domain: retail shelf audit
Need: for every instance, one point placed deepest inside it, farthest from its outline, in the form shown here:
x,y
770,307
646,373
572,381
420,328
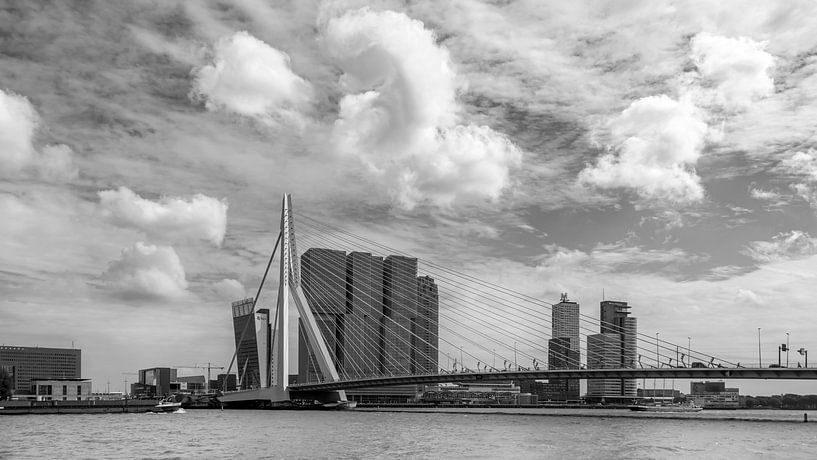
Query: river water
x,y
474,433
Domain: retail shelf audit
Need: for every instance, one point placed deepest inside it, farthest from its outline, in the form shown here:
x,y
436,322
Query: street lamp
x,y
787,349
689,350
759,362
657,356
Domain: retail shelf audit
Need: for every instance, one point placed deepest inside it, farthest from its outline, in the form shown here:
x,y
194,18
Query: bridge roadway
x,y
649,373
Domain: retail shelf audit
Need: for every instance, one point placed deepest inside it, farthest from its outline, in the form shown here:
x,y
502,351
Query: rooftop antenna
x,y
602,295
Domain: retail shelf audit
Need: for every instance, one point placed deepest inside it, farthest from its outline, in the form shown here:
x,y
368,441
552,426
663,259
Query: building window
x,y
64,390
79,390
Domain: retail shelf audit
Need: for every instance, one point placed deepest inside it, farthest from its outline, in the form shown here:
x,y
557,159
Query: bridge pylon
x,y
277,391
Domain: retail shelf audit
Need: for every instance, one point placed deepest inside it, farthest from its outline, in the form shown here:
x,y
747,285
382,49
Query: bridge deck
x,y
668,373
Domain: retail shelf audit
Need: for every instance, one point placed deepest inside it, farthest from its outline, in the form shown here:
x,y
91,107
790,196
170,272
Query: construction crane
x,y
209,366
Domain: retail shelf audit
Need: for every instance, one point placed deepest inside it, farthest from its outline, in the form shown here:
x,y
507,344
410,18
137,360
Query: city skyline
x,y
653,152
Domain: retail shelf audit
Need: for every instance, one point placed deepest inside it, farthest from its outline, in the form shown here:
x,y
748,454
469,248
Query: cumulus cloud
x,y
400,114
657,141
18,123
147,272
783,246
251,78
737,69
199,217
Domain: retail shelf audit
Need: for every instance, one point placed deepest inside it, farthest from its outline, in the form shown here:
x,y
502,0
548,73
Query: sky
x,y
663,153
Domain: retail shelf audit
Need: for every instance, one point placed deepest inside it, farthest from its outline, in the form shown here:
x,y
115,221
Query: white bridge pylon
x,y
289,287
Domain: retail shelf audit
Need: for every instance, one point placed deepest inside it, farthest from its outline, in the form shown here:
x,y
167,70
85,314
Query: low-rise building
x,y
475,393
61,389
713,395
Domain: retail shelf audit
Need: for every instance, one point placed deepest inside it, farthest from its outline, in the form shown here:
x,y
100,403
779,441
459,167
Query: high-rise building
x,y
425,325
564,349
399,306
323,280
565,322
614,347
364,315
604,352
384,320
252,342
29,363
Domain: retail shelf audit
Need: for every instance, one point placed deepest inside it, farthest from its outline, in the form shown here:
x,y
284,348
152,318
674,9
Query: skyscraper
x,y
399,306
252,341
564,349
364,314
384,320
323,280
565,322
614,347
425,327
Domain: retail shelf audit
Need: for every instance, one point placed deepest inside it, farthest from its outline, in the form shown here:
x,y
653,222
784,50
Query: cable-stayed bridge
x,y
374,316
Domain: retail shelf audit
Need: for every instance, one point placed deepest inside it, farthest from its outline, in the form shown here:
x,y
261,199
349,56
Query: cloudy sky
x,y
664,152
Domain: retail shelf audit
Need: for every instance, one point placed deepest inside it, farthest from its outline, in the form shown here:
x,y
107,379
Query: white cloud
x,y
657,142
766,195
737,69
251,78
747,296
807,192
146,272
199,217
18,119
18,122
616,258
802,164
783,246
400,115
230,289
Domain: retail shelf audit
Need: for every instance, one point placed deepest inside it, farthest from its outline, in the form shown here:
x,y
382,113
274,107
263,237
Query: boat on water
x,y
167,405
666,408
339,405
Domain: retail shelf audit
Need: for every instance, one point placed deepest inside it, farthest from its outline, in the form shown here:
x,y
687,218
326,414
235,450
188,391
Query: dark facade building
x,y
614,347
561,356
219,382
154,382
252,342
399,307
425,326
364,315
323,280
376,315
29,363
